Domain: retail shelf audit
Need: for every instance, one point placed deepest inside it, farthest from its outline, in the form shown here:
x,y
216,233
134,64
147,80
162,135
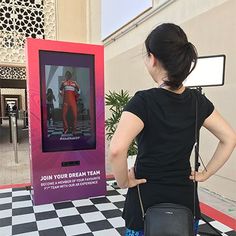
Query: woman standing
x,y
50,106
163,121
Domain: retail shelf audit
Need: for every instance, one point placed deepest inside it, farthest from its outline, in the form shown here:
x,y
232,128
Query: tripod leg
x,y
213,228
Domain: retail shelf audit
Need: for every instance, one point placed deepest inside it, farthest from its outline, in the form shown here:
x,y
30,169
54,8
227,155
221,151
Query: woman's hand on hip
x,y
132,180
199,176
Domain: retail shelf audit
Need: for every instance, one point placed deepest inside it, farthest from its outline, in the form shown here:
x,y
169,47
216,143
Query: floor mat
x,y
99,216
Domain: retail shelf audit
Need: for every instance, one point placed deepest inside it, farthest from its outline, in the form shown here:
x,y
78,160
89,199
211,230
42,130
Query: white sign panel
x,y
209,71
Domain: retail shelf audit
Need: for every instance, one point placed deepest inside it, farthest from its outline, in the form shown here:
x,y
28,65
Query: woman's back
x,y
166,142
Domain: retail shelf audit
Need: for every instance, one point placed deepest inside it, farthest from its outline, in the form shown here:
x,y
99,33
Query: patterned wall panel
x,y
7,72
50,19
20,19
29,21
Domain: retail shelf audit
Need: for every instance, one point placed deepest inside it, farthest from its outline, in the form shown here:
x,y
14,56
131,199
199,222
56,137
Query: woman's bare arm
x,y
128,128
227,142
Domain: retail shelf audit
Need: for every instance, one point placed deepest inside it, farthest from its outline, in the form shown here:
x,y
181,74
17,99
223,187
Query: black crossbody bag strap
x,y
141,203
196,149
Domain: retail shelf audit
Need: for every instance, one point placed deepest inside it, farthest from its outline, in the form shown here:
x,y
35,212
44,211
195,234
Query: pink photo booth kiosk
x,y
65,83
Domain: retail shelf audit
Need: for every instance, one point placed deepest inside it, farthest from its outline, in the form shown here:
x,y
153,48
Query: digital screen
x,y
209,71
67,101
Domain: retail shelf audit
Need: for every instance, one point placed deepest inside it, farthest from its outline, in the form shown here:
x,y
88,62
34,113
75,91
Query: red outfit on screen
x,y
70,96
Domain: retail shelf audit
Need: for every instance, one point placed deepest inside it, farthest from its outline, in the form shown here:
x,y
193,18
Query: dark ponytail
x,y
169,44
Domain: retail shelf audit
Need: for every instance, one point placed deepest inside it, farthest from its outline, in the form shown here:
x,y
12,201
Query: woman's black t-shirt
x,y
164,148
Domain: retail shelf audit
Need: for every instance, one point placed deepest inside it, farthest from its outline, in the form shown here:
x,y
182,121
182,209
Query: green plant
x,y
116,102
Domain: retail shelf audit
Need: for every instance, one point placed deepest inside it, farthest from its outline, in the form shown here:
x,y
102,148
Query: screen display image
x,y
209,71
67,101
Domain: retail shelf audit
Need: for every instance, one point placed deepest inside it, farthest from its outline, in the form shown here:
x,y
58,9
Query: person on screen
x,y
162,119
50,106
70,91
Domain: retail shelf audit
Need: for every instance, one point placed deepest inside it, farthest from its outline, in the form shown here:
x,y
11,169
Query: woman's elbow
x,y
114,152
230,140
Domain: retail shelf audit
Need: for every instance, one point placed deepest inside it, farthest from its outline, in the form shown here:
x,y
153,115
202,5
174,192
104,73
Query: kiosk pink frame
x,y
65,83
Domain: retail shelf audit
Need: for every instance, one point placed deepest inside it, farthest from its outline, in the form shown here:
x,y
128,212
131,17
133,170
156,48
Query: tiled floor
x,y
100,216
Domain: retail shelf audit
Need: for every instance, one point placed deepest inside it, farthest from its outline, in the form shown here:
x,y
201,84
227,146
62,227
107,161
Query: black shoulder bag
x,y
168,219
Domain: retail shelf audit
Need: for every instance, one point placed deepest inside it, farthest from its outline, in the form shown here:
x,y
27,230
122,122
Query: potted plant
x,y
116,101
